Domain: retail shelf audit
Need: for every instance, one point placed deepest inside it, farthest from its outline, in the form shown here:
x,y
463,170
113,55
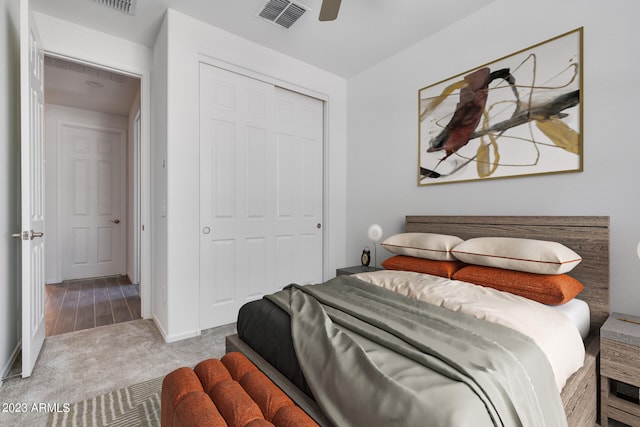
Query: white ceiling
x,y
365,33
88,88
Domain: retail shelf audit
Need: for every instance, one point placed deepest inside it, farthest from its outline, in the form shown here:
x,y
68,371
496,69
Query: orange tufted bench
x,y
230,392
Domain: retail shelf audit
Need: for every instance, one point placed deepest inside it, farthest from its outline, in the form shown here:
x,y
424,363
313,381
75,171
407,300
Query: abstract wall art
x,y
519,115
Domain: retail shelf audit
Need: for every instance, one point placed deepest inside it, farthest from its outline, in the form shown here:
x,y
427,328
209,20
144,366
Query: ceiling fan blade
x,y
329,10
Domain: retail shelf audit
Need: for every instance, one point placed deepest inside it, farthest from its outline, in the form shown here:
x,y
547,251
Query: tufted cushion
x,y
237,365
197,410
235,405
292,416
175,387
211,372
227,392
265,393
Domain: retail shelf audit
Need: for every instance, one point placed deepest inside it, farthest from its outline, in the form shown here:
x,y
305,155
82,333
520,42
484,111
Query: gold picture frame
x,y
520,115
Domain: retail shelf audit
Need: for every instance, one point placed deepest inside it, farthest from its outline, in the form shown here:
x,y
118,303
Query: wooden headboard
x,y
587,235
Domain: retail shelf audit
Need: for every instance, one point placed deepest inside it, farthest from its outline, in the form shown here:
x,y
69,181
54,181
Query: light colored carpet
x,y
81,365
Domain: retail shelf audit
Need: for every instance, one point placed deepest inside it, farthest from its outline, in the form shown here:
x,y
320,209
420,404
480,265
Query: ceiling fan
x,y
329,10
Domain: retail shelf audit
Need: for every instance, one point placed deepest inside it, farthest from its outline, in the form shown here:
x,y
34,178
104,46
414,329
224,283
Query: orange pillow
x,y
422,265
552,289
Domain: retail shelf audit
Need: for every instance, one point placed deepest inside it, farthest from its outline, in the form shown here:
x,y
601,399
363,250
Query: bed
x,y
587,235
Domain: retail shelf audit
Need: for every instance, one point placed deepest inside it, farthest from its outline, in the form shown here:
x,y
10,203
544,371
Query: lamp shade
x,y
374,233
638,249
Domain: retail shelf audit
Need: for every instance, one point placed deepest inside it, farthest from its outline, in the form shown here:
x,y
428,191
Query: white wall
x,y
382,130
55,117
189,38
9,182
159,178
88,45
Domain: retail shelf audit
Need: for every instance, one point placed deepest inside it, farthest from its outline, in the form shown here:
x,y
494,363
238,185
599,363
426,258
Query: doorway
x,y
92,169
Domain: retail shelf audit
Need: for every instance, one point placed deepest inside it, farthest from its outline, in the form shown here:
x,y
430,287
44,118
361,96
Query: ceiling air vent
x,y
282,12
125,6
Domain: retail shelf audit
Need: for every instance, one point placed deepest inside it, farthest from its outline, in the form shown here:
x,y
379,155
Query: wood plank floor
x,y
87,303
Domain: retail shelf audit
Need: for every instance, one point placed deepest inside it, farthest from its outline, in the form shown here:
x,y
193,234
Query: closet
x,y
261,191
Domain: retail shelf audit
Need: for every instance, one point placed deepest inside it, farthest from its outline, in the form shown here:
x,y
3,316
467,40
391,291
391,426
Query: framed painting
x,y
519,115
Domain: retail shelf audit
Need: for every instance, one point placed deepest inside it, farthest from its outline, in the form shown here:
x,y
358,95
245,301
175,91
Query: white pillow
x,y
532,256
422,245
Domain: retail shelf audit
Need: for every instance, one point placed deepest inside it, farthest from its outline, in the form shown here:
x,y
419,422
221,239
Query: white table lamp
x,y
374,233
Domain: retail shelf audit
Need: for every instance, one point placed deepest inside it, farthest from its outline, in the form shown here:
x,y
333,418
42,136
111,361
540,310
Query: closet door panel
x,y
260,191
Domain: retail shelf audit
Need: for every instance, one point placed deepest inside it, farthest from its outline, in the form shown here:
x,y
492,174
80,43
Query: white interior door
x,y
298,148
261,190
93,200
32,189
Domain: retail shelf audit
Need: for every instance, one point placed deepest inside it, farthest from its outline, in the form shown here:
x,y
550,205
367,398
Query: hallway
x,y
87,303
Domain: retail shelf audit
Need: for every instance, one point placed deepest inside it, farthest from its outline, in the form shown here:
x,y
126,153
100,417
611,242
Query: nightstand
x,y
620,363
356,269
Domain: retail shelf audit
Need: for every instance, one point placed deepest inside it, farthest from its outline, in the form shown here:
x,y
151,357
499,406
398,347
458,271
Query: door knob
x,y
116,221
28,235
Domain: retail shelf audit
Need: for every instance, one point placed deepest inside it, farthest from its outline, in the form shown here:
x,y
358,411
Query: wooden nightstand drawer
x,y
620,361
620,365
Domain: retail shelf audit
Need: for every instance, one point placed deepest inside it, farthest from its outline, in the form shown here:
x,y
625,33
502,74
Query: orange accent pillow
x,y
551,289
422,265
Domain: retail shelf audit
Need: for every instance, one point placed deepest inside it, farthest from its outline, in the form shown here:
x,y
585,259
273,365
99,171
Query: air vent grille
x,y
282,12
125,6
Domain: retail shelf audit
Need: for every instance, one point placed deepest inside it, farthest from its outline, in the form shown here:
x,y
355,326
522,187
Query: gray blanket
x,y
376,358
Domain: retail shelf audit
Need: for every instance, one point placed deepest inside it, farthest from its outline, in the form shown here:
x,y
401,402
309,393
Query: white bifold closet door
x,y
261,166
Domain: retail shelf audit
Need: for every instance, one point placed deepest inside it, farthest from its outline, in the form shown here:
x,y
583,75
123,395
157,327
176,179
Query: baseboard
x,y
7,367
160,328
173,338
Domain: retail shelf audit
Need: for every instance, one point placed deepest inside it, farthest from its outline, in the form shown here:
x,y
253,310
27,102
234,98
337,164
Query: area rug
x,y
136,405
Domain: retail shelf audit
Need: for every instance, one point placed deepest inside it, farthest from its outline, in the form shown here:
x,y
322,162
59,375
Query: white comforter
x,y
553,332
